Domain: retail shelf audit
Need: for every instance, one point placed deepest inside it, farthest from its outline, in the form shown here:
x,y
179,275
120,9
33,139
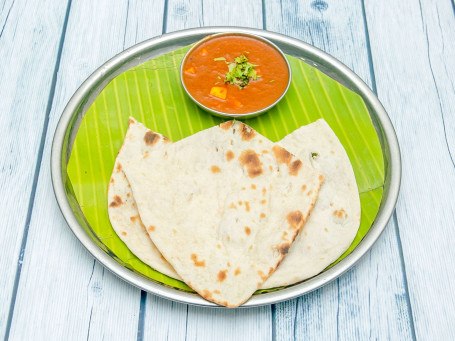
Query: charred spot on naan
x,y
118,167
221,276
229,155
262,275
281,155
134,218
207,295
237,272
215,169
226,125
151,228
341,213
247,230
116,202
197,262
250,160
151,138
295,219
146,154
284,248
294,167
247,133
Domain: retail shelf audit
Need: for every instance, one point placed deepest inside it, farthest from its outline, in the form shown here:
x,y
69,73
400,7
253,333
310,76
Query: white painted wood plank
x,y
414,60
371,298
63,291
243,324
29,39
164,319
183,14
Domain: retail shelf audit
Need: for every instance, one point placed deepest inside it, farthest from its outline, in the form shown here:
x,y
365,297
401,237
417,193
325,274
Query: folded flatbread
x,y
223,206
125,219
330,229
335,218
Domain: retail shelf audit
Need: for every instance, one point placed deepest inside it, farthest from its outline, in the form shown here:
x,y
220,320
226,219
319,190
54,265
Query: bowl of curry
x,y
235,74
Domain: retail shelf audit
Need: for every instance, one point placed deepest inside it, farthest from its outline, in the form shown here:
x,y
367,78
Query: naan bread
x,y
335,218
124,216
223,206
301,262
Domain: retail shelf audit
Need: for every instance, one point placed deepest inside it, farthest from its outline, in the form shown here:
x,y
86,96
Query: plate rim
x,y
382,122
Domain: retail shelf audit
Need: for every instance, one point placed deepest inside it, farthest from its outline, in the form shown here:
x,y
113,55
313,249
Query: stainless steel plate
x,y
76,108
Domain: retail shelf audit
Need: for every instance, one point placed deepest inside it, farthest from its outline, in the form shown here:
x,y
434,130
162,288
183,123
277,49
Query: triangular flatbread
x,y
223,206
124,216
335,218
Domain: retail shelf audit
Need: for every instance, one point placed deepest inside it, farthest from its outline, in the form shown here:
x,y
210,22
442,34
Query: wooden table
x,y
404,288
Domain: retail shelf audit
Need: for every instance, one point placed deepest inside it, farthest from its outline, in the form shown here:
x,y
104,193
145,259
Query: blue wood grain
x,y
63,292
26,86
371,297
414,59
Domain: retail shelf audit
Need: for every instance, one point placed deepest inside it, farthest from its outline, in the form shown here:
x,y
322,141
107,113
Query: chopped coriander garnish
x,y
219,59
241,72
314,155
272,80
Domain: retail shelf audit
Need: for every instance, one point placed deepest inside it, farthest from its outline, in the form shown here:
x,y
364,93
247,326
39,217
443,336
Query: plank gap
x,y
273,312
437,89
370,58
405,279
36,173
165,14
394,216
126,22
140,324
6,19
264,17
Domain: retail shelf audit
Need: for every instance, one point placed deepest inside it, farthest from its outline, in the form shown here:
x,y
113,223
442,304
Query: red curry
x,y
204,74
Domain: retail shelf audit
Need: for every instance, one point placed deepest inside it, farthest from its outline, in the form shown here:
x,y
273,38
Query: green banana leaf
x,y
152,93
